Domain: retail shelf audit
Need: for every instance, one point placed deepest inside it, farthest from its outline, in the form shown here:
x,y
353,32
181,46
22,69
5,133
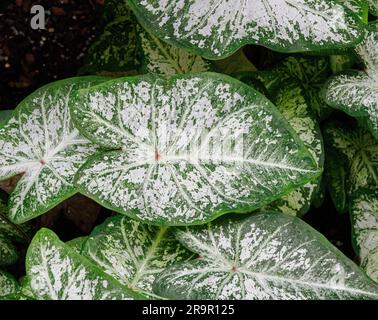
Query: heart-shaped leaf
x,y
8,284
191,148
58,272
263,256
133,253
215,29
40,141
364,215
356,92
160,57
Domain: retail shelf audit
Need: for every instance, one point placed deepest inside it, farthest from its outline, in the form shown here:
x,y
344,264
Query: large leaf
x,y
360,150
264,256
133,253
217,28
190,148
364,215
311,73
40,141
8,284
58,272
290,101
356,92
160,57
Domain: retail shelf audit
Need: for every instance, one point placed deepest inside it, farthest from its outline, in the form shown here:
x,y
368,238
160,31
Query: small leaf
x,y
216,29
40,141
356,92
133,253
115,50
336,176
162,58
361,152
8,252
263,256
190,148
8,284
364,216
58,272
311,73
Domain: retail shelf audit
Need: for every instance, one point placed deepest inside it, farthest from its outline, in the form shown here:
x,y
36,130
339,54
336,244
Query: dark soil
x,y
31,58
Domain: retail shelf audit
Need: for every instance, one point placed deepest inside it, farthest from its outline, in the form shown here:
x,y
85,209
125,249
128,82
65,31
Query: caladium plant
x,y
205,157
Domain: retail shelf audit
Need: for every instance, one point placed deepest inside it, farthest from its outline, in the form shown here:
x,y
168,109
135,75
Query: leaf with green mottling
x,y
373,6
115,51
160,57
8,252
290,101
364,216
215,29
356,92
311,73
189,148
58,272
263,256
8,284
40,141
336,173
77,243
134,253
360,150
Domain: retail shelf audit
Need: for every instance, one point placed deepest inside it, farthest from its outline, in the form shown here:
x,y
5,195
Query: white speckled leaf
x,y
8,284
364,216
263,256
134,253
217,28
160,57
190,148
58,272
361,151
359,7
356,92
40,141
311,73
291,102
8,252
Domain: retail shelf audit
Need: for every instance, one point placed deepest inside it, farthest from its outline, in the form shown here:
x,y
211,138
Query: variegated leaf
x,y
162,58
8,284
77,243
373,6
336,176
115,51
361,152
364,215
58,272
263,256
190,148
134,253
290,101
359,7
8,252
40,141
217,28
356,92
311,73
